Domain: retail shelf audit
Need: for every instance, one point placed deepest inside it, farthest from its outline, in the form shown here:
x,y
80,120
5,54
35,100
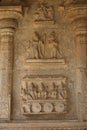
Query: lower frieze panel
x,y
42,95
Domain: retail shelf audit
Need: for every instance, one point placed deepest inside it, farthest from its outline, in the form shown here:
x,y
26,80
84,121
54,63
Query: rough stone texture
x,y
43,64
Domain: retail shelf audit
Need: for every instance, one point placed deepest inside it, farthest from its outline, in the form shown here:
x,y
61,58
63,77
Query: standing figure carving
x,y
36,47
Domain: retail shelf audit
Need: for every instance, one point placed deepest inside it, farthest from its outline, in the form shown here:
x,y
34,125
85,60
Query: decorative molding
x,y
74,13
45,125
59,63
14,12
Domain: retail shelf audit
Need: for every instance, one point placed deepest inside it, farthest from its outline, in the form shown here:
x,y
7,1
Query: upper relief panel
x,y
44,12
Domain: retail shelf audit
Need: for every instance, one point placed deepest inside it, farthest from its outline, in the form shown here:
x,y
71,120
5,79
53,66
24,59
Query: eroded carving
x,y
44,96
44,12
4,108
44,47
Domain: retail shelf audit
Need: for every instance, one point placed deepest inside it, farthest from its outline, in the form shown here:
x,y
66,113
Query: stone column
x,y
78,17
8,23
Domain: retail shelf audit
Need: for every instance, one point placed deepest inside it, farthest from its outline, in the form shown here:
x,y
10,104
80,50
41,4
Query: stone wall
x,y
43,64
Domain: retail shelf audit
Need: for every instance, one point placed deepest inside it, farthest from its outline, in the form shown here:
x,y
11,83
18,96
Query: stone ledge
x,y
45,125
14,12
59,63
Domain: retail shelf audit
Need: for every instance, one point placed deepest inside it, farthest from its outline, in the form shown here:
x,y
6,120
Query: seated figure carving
x,y
44,12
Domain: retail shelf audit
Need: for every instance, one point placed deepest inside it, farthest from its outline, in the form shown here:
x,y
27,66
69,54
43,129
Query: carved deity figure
x,y
44,12
30,53
36,48
44,47
52,47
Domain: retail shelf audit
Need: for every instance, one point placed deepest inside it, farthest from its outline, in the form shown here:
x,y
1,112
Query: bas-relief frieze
x,y
44,96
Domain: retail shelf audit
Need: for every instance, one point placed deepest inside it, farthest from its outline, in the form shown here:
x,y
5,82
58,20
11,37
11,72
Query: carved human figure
x,y
24,91
44,12
30,53
31,92
50,13
62,91
38,45
52,47
54,92
36,49
40,12
44,91
34,90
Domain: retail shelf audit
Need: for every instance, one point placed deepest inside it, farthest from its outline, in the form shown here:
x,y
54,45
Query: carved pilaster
x,y
77,15
8,23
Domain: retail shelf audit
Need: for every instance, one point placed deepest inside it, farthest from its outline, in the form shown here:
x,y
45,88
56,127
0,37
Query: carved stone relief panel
x,y
44,96
43,86
44,49
44,12
45,46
